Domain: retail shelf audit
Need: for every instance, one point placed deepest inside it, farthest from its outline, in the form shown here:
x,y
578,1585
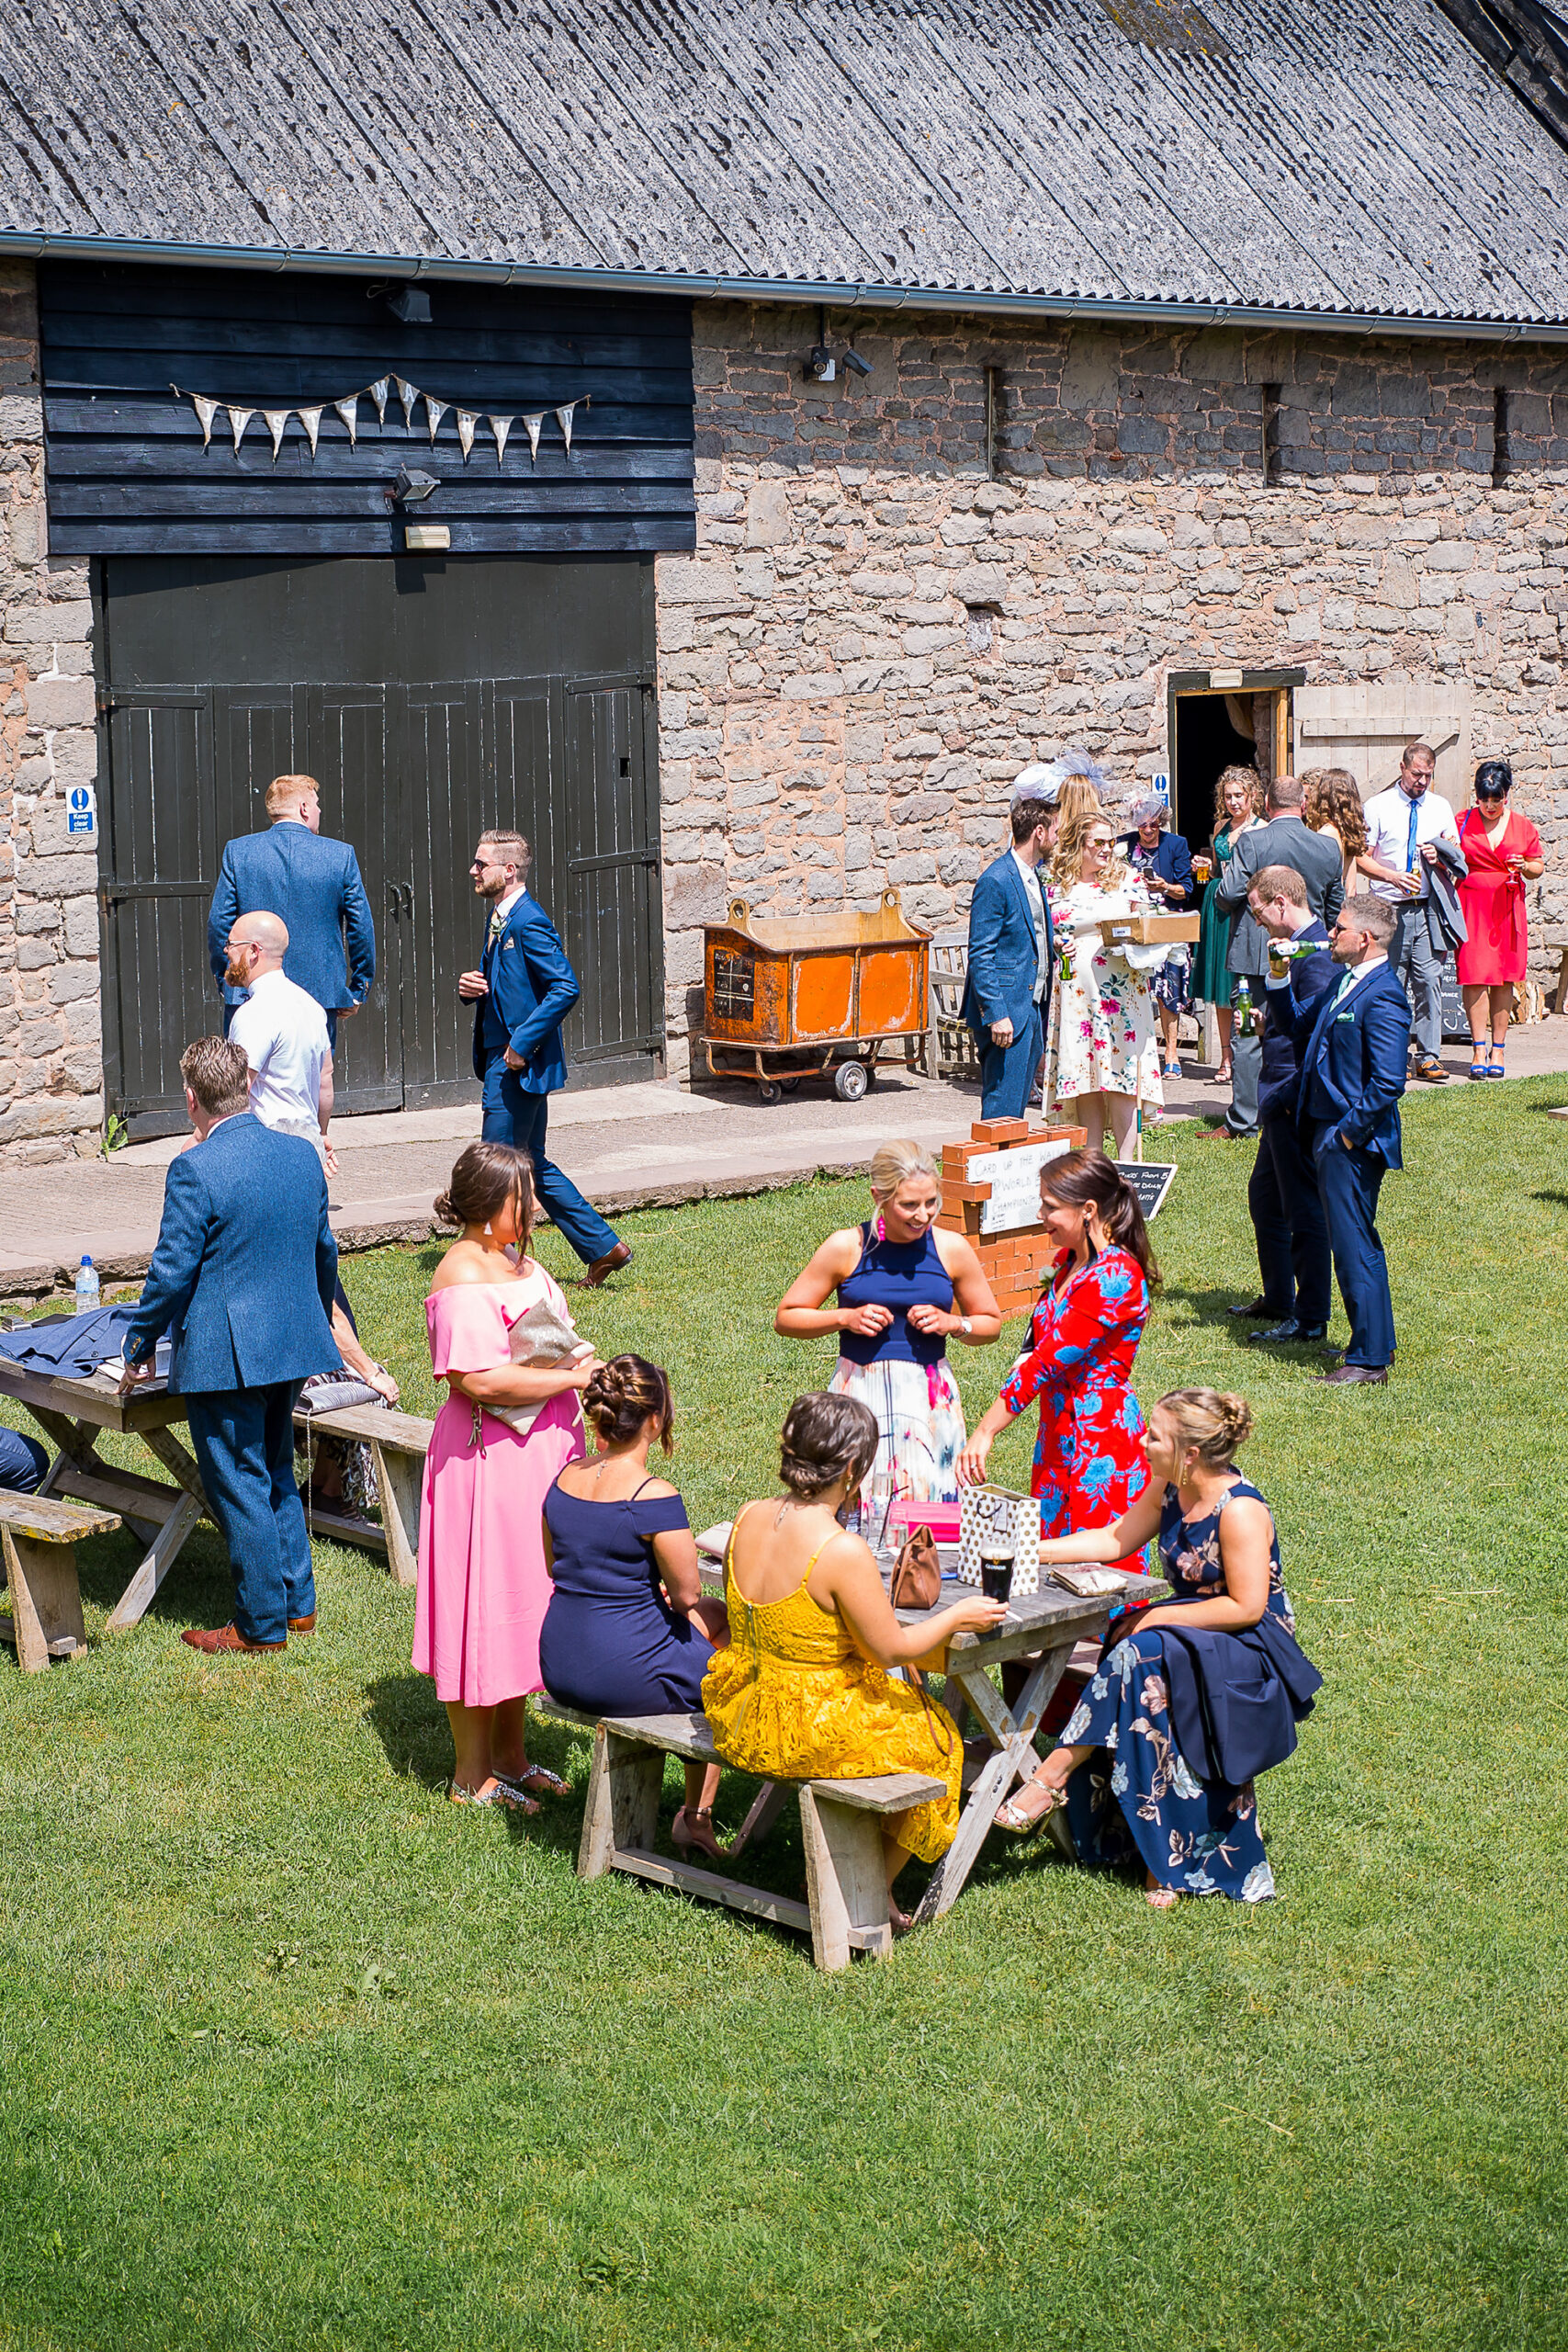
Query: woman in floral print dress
x,y
1200,1693
1101,1053
1089,1458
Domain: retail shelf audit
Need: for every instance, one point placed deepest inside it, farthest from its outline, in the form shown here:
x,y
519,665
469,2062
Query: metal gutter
x,y
838,294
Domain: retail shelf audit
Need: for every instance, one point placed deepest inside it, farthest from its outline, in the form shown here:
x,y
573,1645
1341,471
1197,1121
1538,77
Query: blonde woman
x,y
1238,806
1102,1055
903,1289
1195,1697
1333,805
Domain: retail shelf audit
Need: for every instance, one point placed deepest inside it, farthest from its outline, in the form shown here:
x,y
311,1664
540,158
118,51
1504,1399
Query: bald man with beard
x,y
282,1031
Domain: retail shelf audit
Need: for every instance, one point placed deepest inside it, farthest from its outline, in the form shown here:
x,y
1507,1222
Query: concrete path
x,y
628,1146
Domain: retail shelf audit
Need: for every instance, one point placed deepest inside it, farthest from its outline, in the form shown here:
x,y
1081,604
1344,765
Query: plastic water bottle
x,y
86,1287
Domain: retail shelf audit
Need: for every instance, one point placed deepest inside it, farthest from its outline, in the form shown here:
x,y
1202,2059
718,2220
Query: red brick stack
x,y
1014,1262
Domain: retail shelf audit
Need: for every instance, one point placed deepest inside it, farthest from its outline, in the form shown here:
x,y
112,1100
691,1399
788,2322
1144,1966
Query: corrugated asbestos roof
x,y
1344,157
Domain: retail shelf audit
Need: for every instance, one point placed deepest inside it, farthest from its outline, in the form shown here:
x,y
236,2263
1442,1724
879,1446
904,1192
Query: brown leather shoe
x,y
303,1624
225,1638
621,1255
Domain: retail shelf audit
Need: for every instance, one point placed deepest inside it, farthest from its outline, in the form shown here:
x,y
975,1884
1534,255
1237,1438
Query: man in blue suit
x,y
1008,991
242,1280
1355,1045
1282,1195
521,995
314,886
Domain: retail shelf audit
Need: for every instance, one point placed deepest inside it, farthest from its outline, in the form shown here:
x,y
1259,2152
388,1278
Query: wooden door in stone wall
x,y
1365,727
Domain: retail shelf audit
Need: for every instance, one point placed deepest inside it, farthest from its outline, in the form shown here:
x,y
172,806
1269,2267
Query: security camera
x,y
853,360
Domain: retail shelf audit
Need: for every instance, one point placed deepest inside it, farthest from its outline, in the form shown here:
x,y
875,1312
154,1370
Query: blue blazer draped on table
x,y
243,1275
1003,960
313,883
531,989
1355,1061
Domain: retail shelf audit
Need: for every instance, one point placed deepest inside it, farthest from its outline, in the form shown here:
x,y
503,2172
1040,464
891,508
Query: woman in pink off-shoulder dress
x,y
483,1587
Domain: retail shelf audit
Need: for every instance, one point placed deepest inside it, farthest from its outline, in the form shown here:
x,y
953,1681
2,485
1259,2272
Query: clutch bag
x,y
542,1337
1091,1584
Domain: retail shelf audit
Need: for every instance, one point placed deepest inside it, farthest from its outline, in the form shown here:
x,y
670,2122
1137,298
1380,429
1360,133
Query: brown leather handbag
x,y
916,1581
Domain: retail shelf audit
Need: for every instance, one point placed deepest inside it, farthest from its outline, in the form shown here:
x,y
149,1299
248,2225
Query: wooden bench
x,y
38,1536
846,1905
398,1444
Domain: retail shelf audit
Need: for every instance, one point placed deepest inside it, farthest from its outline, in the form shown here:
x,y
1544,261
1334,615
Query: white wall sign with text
x,y
1014,1179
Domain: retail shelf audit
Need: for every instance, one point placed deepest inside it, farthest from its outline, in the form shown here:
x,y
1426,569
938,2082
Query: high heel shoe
x,y
693,1827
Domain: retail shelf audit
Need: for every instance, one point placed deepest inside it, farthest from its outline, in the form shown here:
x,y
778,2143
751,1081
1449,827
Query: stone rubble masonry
x,y
51,1081
875,634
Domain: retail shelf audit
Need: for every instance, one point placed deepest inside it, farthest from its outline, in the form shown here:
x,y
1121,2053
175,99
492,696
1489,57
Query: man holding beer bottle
x,y
1282,1195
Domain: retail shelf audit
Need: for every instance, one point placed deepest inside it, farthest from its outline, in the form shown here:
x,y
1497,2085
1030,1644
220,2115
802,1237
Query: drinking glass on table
x,y
997,1558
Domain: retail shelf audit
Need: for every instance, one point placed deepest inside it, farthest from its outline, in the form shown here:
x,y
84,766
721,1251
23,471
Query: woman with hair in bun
x,y
1202,1693
905,1288
1088,1456
483,1587
808,1687
628,1630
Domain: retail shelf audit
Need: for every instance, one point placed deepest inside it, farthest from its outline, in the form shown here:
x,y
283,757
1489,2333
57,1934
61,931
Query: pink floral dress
x,y
1102,1015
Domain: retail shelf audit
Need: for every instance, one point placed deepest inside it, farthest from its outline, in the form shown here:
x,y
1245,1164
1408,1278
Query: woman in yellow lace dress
x,y
804,1690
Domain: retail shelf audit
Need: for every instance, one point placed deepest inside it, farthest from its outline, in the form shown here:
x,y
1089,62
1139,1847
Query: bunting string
x,y
379,394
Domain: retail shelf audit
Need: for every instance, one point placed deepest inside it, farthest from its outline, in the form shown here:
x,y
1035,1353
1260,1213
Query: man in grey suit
x,y
1285,840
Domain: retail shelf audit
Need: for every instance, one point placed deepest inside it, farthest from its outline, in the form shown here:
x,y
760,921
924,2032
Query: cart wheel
x,y
849,1081
791,1085
770,1091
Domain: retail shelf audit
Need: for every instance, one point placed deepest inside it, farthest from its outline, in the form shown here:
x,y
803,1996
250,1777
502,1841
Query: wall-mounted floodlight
x,y
411,487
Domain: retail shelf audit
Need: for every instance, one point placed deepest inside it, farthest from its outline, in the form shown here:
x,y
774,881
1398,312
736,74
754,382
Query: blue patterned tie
x,y
1410,846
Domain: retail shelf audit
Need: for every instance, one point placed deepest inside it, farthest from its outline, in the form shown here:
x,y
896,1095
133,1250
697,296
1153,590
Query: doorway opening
x,y
1243,723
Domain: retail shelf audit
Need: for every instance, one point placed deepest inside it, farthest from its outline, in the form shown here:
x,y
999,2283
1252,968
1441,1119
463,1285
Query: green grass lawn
x,y
294,2054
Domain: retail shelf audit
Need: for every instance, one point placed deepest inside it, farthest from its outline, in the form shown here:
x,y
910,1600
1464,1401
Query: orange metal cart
x,y
793,997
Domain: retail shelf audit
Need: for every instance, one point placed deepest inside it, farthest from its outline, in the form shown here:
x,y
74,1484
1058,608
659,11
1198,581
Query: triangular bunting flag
x,y
563,418
349,412
206,410
377,393
501,426
466,421
276,418
408,394
311,418
434,411
238,420
531,424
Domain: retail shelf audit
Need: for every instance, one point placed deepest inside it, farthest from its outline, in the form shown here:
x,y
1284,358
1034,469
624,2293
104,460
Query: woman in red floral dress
x,y
1089,1458
1503,852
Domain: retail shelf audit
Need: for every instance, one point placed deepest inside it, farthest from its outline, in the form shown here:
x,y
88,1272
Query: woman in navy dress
x,y
905,1288
1196,1696
628,1630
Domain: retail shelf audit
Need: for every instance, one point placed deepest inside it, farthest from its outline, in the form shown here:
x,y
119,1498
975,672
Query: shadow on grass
x,y
198,1590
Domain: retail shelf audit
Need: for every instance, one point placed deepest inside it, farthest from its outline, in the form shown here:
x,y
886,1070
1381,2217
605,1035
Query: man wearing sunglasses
x,y
1415,861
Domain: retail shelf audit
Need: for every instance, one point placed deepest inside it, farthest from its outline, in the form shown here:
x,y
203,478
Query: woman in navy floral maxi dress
x,y
1193,1698
1089,1458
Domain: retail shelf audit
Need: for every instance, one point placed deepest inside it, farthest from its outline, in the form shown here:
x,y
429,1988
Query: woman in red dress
x,y
1503,852
1089,1465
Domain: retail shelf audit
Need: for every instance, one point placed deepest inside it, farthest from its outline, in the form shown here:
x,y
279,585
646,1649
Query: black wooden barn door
x,y
346,735
440,733
162,843
611,903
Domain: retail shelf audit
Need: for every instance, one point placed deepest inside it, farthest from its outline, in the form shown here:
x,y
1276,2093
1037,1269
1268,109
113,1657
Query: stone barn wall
x,y
877,631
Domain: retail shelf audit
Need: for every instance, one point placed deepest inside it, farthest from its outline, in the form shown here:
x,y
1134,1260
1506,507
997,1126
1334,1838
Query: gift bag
x,y
1015,1517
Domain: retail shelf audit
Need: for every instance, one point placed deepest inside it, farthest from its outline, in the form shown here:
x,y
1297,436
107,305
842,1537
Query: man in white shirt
x,y
282,1031
1404,825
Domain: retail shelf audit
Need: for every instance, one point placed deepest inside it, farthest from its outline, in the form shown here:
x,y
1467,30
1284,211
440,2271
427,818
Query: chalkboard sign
x,y
1456,1020
1151,1179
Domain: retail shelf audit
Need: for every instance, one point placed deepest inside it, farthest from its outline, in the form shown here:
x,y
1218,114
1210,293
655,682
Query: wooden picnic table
x,y
1045,1626
74,1413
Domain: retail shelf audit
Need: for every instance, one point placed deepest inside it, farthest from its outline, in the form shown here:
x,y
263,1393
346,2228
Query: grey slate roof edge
x,y
955,301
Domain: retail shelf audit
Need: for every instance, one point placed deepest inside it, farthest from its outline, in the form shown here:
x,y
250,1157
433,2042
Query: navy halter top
x,y
897,1276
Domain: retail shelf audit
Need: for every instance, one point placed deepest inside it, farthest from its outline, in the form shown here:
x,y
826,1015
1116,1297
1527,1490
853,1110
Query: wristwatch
x,y
966,1326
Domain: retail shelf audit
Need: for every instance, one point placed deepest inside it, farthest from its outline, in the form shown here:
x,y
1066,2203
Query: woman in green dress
x,y
1239,804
